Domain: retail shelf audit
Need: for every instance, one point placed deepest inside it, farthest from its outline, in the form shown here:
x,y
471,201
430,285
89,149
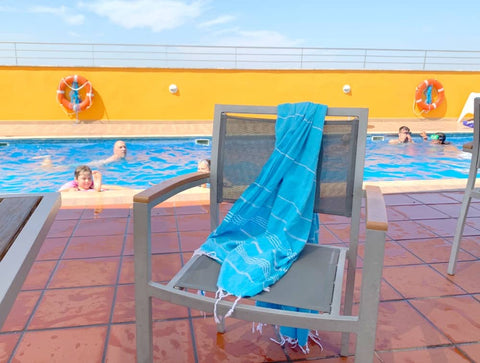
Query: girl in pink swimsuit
x,y
85,180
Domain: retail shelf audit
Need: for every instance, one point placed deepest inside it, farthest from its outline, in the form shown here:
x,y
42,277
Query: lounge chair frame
x,y
336,319
25,222
470,190
468,108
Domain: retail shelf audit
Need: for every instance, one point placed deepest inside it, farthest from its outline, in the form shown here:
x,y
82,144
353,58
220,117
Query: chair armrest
x,y
376,213
171,187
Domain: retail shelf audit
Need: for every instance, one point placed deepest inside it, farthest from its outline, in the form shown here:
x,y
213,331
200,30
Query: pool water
x,y
150,161
420,160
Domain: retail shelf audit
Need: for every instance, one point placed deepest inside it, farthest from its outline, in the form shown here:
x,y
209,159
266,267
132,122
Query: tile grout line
x,y
452,343
190,320
115,290
43,291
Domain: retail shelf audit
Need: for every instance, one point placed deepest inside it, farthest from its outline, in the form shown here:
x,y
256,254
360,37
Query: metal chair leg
x,y
458,233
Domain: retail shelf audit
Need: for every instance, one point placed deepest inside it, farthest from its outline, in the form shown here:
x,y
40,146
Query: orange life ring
x,y
420,97
68,82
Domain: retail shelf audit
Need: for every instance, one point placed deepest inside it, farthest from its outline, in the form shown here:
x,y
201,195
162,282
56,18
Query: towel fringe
x,y
219,295
293,343
258,328
315,338
230,312
281,342
305,349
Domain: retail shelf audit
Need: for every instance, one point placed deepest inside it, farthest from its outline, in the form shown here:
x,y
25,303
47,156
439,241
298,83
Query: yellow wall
x,y
29,93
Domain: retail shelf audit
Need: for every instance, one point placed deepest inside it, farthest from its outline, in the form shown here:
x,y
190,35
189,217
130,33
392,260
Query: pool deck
x,y
110,129
30,129
77,303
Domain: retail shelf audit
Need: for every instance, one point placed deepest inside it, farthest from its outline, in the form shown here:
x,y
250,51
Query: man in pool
x,y
119,154
436,138
404,136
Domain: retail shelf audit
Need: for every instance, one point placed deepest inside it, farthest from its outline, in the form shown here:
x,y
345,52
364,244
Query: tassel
x,y
230,312
219,295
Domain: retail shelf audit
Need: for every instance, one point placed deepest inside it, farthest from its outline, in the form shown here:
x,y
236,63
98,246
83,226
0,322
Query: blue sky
x,y
404,24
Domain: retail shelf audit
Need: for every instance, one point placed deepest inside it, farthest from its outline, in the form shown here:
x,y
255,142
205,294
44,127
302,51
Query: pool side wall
x,y
142,94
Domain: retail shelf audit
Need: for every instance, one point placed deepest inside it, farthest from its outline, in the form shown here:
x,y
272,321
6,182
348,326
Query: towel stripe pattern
x,y
268,226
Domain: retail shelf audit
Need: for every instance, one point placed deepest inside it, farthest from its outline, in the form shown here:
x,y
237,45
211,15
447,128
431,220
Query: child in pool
x,y
85,180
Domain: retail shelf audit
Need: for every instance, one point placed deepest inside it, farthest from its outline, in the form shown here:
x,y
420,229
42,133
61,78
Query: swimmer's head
x,y
404,134
84,177
120,149
438,138
204,165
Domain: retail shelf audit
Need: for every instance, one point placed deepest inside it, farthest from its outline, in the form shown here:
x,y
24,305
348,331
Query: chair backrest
x,y
244,138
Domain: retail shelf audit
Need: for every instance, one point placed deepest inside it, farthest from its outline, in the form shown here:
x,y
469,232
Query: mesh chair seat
x,y
294,289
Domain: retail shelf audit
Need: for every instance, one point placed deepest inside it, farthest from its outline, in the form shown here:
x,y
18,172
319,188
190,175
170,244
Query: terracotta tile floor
x,y
77,304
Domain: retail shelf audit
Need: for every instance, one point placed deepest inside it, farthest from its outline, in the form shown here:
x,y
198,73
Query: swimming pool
x,y
420,160
151,161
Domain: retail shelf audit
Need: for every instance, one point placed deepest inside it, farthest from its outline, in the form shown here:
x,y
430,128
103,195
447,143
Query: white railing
x,y
233,57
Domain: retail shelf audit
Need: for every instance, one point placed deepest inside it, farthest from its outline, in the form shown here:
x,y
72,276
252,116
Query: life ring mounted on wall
x,y
424,95
75,83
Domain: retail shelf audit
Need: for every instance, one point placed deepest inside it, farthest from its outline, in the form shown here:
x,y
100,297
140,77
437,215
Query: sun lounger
x,y
25,221
468,107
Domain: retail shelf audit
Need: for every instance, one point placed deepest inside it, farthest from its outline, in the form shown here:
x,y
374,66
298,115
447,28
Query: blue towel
x,y
266,229
268,226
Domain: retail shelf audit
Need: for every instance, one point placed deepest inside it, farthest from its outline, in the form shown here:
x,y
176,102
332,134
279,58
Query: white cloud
x,y
157,15
220,20
66,14
259,38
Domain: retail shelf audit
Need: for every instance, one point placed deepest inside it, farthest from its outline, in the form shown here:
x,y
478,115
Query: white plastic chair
x,y
470,190
468,107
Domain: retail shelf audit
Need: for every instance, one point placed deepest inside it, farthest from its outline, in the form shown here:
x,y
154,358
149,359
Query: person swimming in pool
x,y
84,180
119,154
45,161
87,180
204,165
404,136
436,138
